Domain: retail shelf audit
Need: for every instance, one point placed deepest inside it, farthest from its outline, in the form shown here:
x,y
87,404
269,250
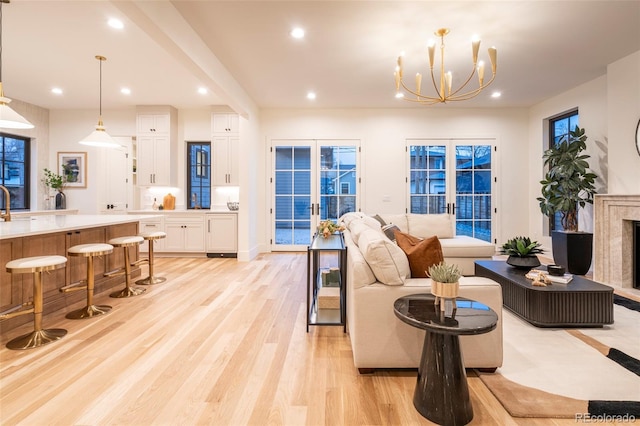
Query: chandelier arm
x,y
435,86
471,94
473,72
419,97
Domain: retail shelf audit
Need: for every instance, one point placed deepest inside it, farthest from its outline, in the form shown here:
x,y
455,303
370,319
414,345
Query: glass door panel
x,y
293,196
337,181
453,176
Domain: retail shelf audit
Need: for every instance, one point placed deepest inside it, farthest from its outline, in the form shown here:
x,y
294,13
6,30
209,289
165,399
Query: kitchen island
x,y
37,235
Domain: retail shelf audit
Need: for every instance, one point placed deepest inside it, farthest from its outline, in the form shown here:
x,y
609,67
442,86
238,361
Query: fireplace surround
x,y
615,217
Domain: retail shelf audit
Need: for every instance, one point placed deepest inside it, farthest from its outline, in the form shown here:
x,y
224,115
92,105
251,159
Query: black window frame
x,y
573,118
205,173
26,169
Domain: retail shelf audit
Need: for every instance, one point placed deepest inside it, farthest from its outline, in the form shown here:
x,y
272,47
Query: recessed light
x,y
115,23
125,91
202,90
56,91
311,95
399,95
297,33
496,94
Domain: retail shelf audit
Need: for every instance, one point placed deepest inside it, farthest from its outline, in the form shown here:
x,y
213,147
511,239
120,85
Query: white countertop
x,y
24,226
213,210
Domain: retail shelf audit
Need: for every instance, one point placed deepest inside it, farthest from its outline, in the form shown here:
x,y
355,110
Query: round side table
x,y
442,393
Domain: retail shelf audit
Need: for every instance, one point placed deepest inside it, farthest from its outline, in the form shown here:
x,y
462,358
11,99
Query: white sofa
x,y
378,273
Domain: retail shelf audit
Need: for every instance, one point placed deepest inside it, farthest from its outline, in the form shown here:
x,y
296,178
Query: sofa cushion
x,y
390,231
400,220
428,225
463,246
358,225
379,219
359,272
387,261
422,254
347,218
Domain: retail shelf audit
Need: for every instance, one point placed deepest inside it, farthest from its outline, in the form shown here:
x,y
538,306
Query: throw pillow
x,y
390,231
379,219
422,254
387,261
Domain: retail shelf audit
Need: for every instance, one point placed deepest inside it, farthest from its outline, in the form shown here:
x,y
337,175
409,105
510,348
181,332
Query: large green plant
x,y
568,184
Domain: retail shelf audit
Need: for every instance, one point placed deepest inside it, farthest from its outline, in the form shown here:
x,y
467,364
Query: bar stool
x,y
89,251
36,266
151,237
125,243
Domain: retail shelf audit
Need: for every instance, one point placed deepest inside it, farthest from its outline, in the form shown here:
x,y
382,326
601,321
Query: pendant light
x,y
99,137
9,119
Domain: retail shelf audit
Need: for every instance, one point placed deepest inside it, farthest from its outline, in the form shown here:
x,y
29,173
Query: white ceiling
x,y
168,49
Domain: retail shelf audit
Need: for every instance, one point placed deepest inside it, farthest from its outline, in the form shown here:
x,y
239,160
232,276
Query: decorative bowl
x,y
233,205
557,270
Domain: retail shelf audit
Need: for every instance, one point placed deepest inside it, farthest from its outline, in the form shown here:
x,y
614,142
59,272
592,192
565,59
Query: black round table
x,y
442,394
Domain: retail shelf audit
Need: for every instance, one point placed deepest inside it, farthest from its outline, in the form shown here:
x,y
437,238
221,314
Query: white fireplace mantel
x,y
613,238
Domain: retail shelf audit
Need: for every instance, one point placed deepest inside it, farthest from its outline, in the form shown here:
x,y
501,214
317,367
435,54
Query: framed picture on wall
x,y
73,166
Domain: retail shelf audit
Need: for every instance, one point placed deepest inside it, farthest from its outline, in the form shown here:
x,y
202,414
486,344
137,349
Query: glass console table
x,y
326,281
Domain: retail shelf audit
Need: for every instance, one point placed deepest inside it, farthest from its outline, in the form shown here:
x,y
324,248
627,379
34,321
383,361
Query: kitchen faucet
x,y
7,201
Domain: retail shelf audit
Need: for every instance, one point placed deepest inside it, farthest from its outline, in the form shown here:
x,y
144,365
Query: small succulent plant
x,y
445,273
521,246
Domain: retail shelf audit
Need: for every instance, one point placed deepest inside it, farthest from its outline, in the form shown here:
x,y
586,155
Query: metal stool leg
x,y
151,279
90,310
128,291
38,337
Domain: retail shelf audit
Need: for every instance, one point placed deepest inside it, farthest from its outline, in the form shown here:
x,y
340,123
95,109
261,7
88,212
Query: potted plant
x,y
567,186
522,252
445,282
56,182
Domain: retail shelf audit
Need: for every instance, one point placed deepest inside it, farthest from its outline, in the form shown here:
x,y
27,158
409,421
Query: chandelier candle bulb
x,y
493,57
475,47
481,72
432,52
418,82
448,78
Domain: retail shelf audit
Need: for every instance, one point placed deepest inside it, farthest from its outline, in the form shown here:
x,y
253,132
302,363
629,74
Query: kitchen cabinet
x,y
225,123
152,225
156,146
225,161
151,124
222,235
185,233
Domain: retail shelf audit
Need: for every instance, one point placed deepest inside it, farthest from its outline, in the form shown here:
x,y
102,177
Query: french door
x,y
312,180
455,176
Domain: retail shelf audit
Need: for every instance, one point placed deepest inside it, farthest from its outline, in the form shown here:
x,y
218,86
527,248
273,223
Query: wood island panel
x,y
16,289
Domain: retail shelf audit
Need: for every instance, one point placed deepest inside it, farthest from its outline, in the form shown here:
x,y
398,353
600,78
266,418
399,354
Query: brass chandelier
x,y
442,86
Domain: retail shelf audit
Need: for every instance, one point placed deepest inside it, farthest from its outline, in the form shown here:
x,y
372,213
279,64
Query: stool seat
x,y
36,264
155,235
86,250
151,237
126,241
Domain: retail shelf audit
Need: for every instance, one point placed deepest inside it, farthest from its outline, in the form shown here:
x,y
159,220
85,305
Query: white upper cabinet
x,y
224,123
157,148
154,124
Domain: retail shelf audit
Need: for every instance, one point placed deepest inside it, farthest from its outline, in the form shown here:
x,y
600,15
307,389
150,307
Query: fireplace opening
x,y
636,254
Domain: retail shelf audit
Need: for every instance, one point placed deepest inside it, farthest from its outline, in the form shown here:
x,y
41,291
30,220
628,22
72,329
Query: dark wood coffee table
x,y
442,393
580,303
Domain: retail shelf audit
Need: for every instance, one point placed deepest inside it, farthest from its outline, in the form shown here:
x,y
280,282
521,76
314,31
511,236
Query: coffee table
x,y
442,393
580,303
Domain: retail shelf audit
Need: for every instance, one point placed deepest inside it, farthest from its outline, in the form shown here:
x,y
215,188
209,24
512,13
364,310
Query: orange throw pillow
x,y
422,254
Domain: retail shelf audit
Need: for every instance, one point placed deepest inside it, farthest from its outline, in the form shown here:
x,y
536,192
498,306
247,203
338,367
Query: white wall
x,y
623,102
383,132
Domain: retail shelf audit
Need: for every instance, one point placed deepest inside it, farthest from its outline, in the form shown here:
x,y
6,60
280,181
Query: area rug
x,y
570,373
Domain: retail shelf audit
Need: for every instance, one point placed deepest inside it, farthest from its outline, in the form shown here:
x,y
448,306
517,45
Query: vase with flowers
x,y
56,182
328,227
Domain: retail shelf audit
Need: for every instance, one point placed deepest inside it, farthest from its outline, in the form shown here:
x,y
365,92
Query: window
x,y
199,175
14,174
559,128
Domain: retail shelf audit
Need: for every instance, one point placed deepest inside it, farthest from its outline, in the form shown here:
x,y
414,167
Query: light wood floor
x,y
220,343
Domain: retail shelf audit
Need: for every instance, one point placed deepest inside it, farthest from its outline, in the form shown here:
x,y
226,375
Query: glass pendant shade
x,y
100,138
9,119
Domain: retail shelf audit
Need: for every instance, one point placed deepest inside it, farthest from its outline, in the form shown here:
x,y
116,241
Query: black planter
x,y
573,250
523,262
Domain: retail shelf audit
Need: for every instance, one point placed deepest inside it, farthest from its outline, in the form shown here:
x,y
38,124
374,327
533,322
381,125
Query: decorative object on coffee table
x,y
445,283
522,252
328,227
567,186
